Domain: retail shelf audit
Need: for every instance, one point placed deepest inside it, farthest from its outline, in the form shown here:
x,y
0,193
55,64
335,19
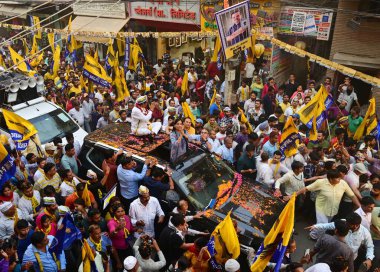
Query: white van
x,y
49,119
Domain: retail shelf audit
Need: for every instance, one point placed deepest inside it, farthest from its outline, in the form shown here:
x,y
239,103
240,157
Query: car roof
x,y
118,135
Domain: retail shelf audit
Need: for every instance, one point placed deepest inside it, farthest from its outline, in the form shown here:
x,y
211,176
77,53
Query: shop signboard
x,y
316,22
170,11
234,28
111,10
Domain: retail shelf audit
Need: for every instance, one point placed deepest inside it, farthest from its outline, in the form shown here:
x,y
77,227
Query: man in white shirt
x,y
192,77
250,103
291,181
143,212
215,143
77,114
249,70
365,211
226,151
88,107
30,202
159,66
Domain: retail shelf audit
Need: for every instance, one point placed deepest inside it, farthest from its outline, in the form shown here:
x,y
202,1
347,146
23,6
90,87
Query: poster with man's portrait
x,y
234,28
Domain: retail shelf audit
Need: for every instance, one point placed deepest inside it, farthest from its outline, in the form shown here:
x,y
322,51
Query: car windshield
x,y
53,124
199,175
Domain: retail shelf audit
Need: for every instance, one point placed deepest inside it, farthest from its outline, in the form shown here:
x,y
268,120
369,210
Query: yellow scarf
x,y
71,184
126,231
34,201
243,98
98,246
47,231
38,258
276,168
52,216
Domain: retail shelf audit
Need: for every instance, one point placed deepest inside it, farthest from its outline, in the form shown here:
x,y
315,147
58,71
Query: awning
x,y
14,10
357,60
87,23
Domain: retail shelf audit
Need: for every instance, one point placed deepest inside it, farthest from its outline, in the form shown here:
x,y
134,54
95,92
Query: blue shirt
x,y
238,38
105,241
156,188
214,107
270,149
129,181
23,245
47,260
227,154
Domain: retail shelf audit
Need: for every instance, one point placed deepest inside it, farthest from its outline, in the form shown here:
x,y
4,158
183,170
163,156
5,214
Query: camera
x,y
146,240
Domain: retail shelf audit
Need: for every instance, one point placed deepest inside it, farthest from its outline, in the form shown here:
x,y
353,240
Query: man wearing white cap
x,y
9,215
141,116
143,211
232,266
131,265
50,149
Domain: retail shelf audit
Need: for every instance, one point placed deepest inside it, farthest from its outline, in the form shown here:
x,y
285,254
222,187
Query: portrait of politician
x,y
238,31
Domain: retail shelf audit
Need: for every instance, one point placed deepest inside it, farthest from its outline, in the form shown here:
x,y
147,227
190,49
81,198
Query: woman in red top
x,y
120,231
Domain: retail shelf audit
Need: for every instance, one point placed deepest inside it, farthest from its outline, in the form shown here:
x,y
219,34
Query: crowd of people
x,y
336,179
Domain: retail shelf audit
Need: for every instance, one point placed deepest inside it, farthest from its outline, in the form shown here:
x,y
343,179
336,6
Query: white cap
x,y
129,263
5,206
232,265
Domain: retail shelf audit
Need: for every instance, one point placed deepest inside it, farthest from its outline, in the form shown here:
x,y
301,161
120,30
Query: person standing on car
x,y
129,179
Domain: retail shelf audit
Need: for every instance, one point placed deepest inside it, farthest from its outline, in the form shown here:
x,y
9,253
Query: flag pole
x,y
328,128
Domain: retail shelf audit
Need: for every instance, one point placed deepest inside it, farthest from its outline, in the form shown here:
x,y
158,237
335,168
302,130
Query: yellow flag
x,y
96,54
187,112
289,138
19,128
369,123
56,60
226,240
245,121
37,25
51,41
2,61
117,80
86,196
307,112
83,83
26,48
88,257
36,60
95,72
212,101
217,48
185,82
124,83
110,59
120,45
277,239
34,49
22,65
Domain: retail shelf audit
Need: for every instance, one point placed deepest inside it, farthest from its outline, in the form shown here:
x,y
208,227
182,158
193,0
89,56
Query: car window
x,y
96,156
199,178
53,124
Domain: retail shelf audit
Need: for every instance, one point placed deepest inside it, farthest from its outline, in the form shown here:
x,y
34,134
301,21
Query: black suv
x,y
207,182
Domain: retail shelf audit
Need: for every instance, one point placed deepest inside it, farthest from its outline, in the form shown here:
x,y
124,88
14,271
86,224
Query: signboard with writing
x,y
317,22
171,11
298,22
324,27
112,10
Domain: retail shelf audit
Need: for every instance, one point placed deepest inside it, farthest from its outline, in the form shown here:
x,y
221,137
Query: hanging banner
x,y
234,28
316,23
298,22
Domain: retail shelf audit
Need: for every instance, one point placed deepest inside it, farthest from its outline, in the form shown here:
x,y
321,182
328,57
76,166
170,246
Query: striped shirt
x,y
55,181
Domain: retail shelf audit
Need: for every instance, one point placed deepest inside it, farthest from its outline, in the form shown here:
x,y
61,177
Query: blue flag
x,y
7,166
66,234
211,250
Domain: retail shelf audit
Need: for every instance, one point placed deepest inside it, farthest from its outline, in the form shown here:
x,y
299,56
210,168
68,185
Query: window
x,y
53,124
